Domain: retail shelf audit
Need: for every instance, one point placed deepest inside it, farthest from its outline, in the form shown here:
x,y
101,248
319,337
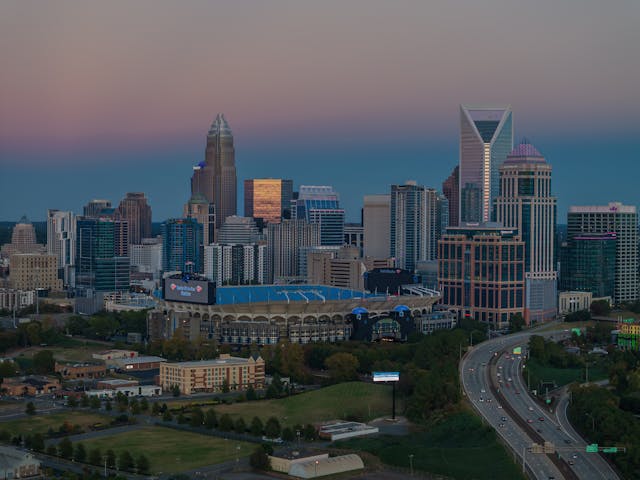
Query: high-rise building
x,y
321,205
31,271
135,210
236,264
267,198
284,242
481,272
376,222
238,230
61,242
181,245
97,208
486,138
451,190
623,221
588,264
414,224
215,178
525,203
23,239
102,259
147,257
205,214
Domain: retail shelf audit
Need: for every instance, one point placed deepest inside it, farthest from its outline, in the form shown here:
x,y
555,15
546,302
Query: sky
x,y
101,98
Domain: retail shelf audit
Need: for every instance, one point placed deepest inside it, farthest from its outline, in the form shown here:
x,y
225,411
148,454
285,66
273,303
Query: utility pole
x,y
411,463
524,453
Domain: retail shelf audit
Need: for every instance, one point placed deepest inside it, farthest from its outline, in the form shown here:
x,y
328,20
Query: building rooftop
x,y
525,151
286,293
212,362
142,359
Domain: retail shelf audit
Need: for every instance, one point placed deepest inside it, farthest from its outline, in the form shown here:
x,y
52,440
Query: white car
x,y
483,391
531,409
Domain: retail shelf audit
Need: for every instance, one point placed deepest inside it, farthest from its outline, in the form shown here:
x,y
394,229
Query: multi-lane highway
x,y
492,381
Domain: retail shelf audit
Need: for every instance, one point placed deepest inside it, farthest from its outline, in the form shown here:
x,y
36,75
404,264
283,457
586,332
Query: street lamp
x,y
411,463
593,421
316,466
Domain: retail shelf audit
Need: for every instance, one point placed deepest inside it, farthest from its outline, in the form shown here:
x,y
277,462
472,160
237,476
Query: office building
x,y
135,210
321,205
451,190
236,264
481,272
414,224
354,236
11,299
23,240
61,242
284,242
97,208
486,138
241,230
588,264
267,198
31,271
525,204
181,245
623,221
147,257
199,208
215,178
376,223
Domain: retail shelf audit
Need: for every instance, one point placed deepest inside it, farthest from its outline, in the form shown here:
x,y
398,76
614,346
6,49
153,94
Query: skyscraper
x,y
135,210
199,208
525,203
588,264
451,190
321,205
23,239
267,198
61,241
623,221
414,224
376,221
215,178
181,245
238,230
285,240
97,208
486,138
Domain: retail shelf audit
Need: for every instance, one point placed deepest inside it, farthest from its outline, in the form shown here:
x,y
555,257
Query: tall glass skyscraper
x,y
525,203
588,264
215,178
182,245
321,205
486,138
267,198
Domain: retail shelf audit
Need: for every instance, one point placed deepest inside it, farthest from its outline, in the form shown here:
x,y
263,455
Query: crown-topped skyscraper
x,y
215,178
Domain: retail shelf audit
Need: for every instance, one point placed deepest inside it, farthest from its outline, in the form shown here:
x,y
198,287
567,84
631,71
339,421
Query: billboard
x,y
388,280
386,376
189,291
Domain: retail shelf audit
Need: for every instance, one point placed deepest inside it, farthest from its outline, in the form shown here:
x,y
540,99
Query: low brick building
x,y
73,371
32,385
138,363
213,375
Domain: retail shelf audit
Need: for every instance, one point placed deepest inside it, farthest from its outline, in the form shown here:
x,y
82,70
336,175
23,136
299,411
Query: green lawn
x,y
40,423
459,447
562,376
364,401
170,450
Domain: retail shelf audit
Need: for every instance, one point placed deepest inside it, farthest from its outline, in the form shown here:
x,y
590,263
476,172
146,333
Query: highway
x,y
493,384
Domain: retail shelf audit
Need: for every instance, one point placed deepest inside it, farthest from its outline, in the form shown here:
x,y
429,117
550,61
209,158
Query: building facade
x,y
135,210
204,213
23,240
376,223
481,273
98,208
525,203
267,198
31,271
147,257
623,221
486,138
588,264
181,245
320,205
239,264
238,230
451,190
284,242
61,242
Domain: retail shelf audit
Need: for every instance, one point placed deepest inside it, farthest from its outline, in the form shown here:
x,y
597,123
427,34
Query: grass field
x,y
459,447
171,451
562,376
353,399
69,349
40,423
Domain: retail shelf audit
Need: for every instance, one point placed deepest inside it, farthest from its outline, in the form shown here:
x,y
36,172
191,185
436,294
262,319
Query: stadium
x,y
266,314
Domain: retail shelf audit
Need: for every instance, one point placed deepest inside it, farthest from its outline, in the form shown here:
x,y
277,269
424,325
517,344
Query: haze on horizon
x,y
97,99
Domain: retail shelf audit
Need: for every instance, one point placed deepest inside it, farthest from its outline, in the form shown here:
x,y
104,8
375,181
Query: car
x,y
571,462
498,374
531,409
575,455
509,379
529,420
483,391
499,406
499,367
541,419
538,430
517,392
501,425
481,399
567,441
484,364
504,419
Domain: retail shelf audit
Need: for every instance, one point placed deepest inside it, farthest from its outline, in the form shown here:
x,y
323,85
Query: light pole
x,y
524,453
593,421
316,468
411,463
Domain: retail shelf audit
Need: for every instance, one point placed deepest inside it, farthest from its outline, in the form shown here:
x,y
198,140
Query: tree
x,y
516,322
272,428
134,405
84,400
94,402
225,386
95,457
251,394
310,432
144,404
240,426
259,459
111,459
30,409
125,460
197,417
225,423
342,367
256,427
166,416
287,434
175,390
142,464
600,308
182,418
8,369
210,419
79,453
155,409
52,450
65,448
37,442
72,402
43,362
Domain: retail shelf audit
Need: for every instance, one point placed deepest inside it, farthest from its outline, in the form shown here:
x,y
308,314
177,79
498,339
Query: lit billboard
x,y
190,291
386,376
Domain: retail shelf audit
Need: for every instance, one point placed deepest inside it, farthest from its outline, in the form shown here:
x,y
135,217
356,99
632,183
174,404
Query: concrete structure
x,y
376,223
267,198
115,383
451,190
127,391
623,221
481,272
354,236
98,208
109,355
16,463
321,205
31,385
236,264
525,203
199,208
75,371
213,375
143,362
284,241
285,460
12,299
415,224
588,263
569,302
436,320
147,257
23,240
61,242
31,271
238,230
215,178
135,210
327,466
181,245
338,430
486,138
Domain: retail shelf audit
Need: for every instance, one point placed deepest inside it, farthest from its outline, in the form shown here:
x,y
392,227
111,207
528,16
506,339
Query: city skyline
x,y
78,105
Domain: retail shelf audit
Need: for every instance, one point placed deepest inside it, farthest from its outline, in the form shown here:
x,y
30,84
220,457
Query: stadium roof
x,y
287,293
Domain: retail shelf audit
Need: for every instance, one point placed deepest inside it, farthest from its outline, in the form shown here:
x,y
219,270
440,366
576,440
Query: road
x,y
492,381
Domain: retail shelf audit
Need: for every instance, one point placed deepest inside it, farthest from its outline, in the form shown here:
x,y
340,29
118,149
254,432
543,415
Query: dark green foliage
x,y
43,362
225,423
95,457
79,453
210,419
37,442
166,416
272,428
287,434
125,460
65,448
94,402
197,417
251,394
600,308
256,427
516,322
111,459
579,316
310,432
30,409
142,464
259,459
240,426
